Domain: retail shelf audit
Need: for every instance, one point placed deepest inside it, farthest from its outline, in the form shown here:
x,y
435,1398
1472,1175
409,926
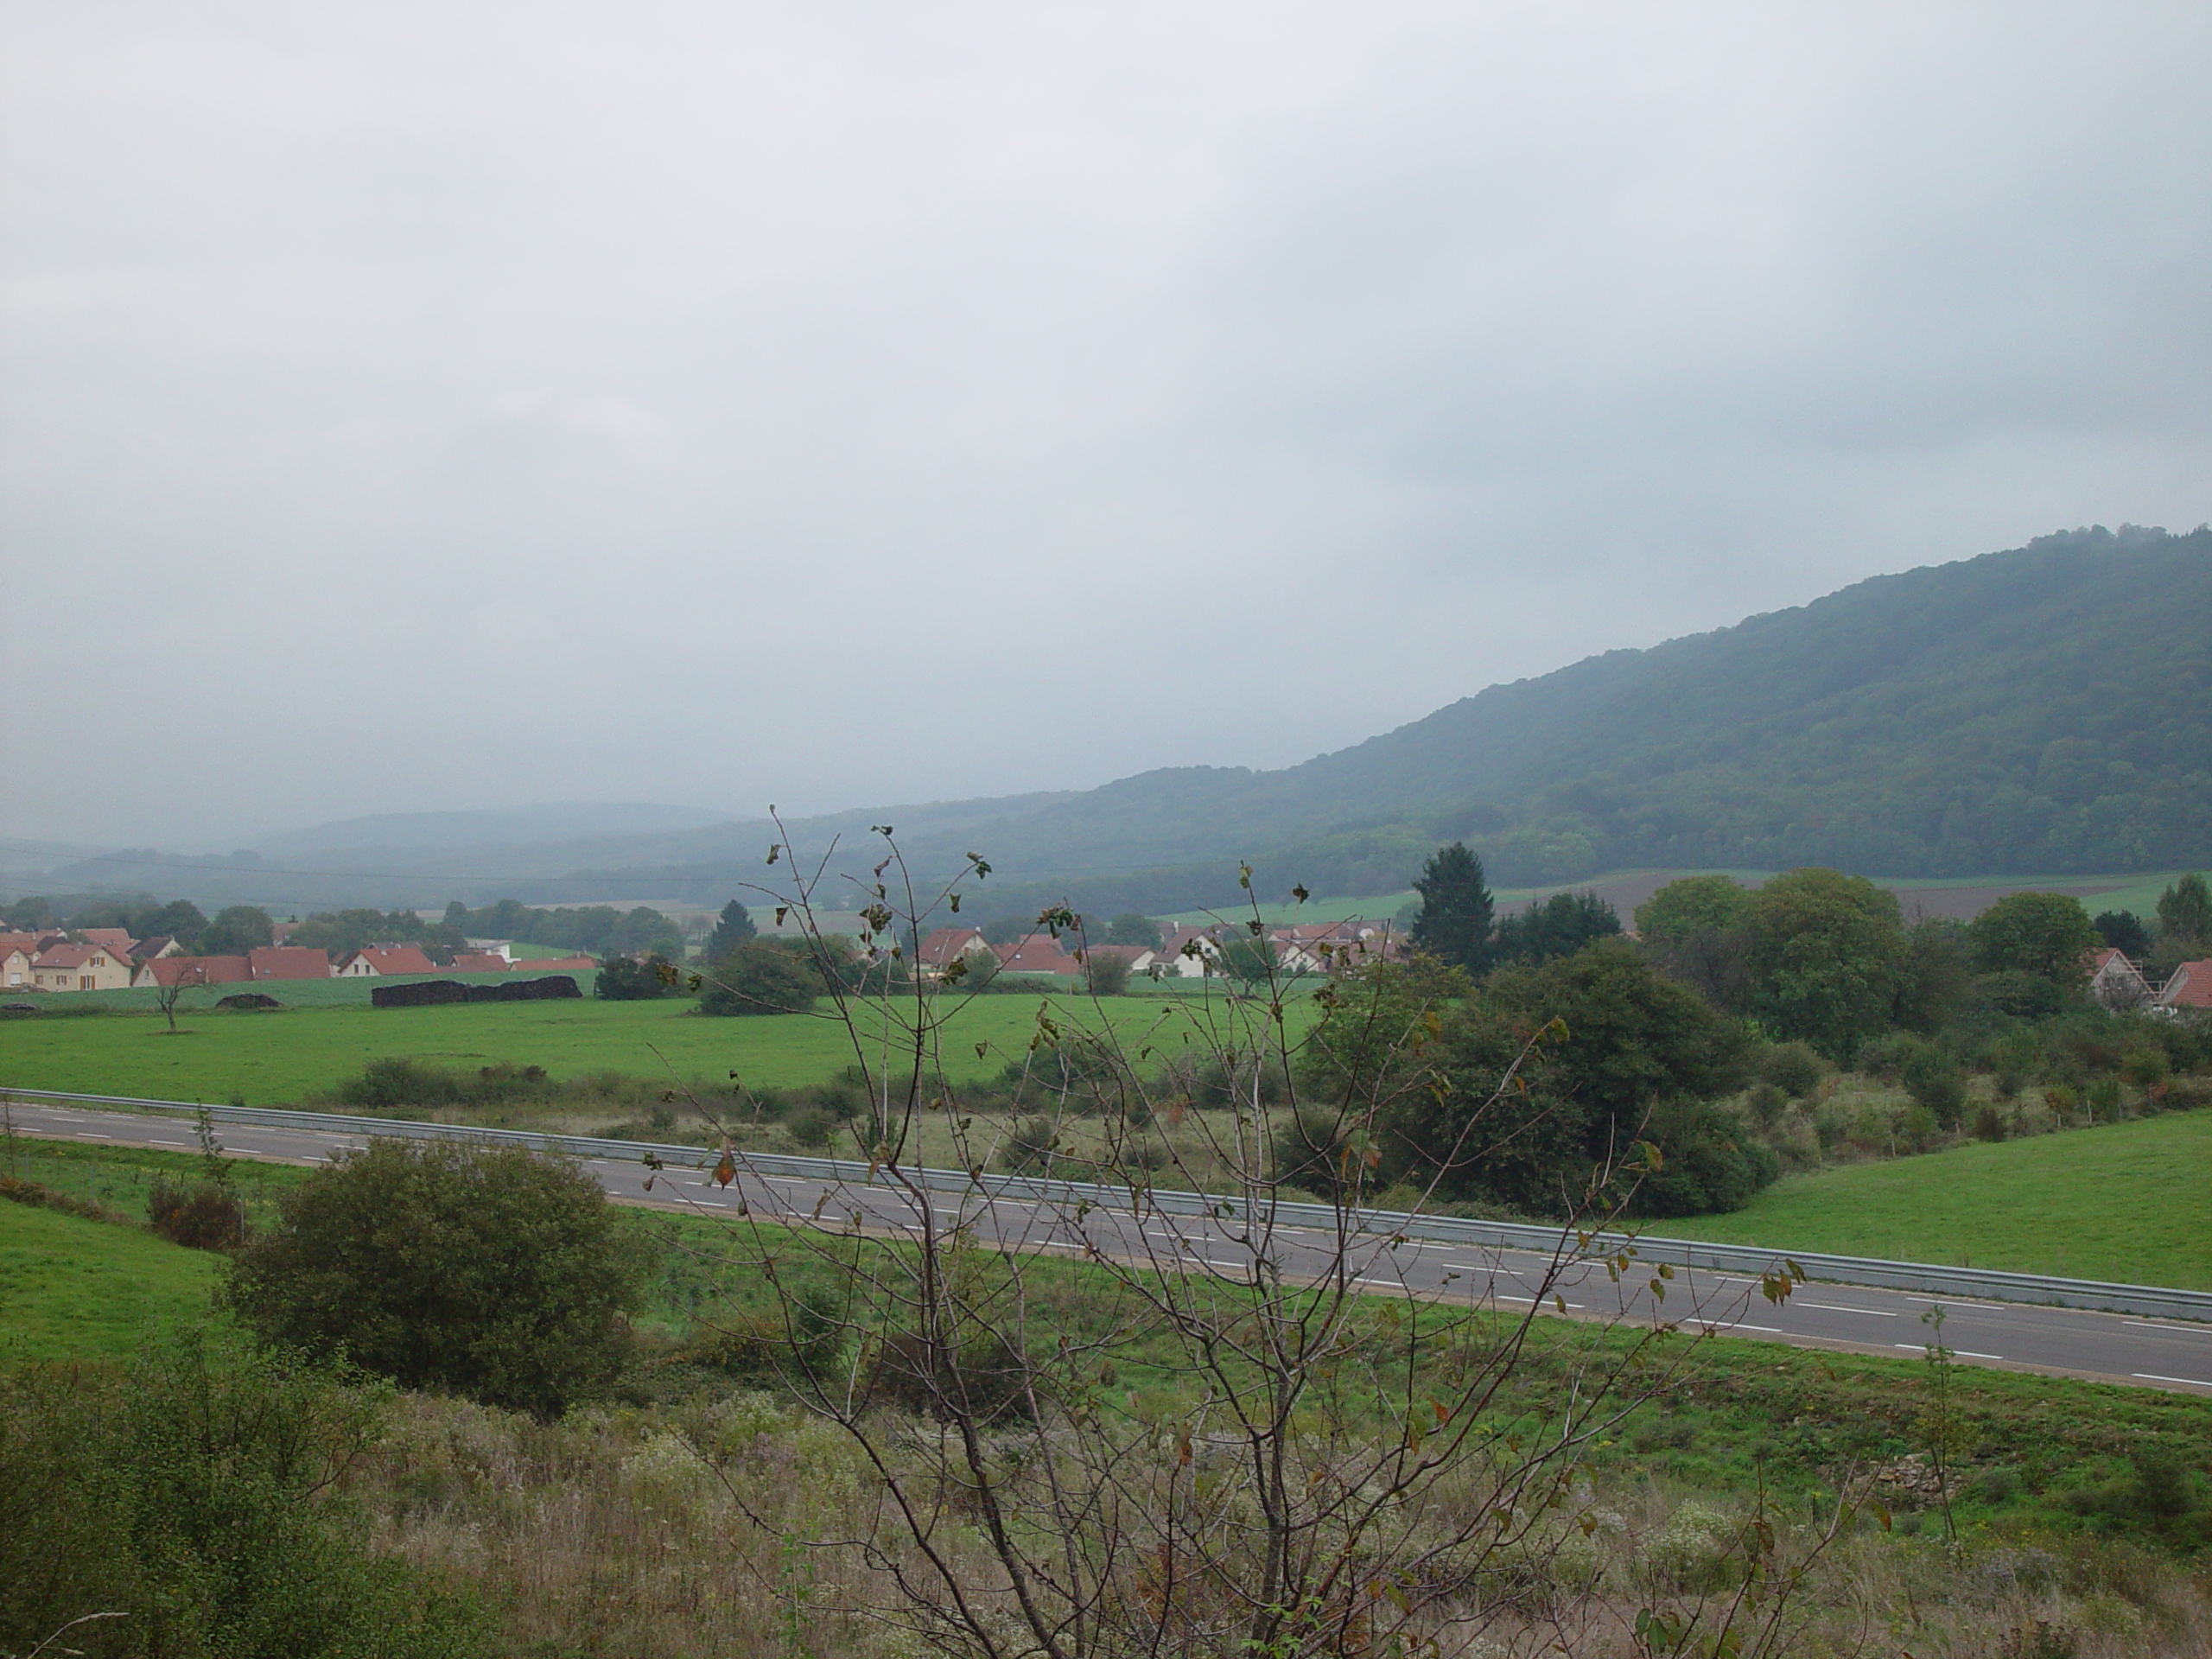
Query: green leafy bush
x,y
490,1272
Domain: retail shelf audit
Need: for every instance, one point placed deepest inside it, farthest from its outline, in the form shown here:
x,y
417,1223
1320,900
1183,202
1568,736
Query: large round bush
x,y
489,1272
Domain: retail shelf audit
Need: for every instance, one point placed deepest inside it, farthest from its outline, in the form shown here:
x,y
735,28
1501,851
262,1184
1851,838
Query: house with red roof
x,y
289,962
117,939
479,961
193,970
946,945
70,966
380,961
2189,989
14,966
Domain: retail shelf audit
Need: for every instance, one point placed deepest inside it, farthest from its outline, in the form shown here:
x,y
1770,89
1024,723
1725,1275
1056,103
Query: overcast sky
x,y
416,406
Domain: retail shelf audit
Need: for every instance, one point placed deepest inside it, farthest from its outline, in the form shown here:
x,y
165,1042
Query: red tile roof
x,y
66,954
196,970
479,962
1040,953
117,939
289,962
2195,990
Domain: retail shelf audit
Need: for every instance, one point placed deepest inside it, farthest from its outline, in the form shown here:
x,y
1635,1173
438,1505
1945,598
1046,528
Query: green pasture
x,y
2131,1202
281,1057
74,1289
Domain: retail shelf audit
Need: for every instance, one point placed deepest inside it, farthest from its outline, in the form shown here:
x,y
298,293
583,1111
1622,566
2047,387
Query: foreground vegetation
x,y
695,1508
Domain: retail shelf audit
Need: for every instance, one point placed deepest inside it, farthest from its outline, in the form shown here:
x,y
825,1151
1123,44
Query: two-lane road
x,y
2109,1347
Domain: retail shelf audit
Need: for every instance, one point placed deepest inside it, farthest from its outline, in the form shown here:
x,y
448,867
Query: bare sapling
x,y
1179,1386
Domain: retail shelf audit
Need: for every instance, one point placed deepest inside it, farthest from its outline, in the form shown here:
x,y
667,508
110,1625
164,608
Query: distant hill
x,y
2039,711
386,832
2047,709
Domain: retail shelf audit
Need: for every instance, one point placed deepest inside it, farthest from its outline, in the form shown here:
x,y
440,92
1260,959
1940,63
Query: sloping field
x,y
2131,1202
75,1288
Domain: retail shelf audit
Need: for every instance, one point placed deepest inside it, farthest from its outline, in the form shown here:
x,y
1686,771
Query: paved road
x,y
2107,1347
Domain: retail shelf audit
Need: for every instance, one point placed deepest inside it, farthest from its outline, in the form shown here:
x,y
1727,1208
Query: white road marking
x,y
1968,1353
2186,1330
2151,1376
87,1134
1837,1308
1770,1329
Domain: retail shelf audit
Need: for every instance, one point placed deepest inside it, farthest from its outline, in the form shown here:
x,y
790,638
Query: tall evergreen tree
x,y
733,929
1456,912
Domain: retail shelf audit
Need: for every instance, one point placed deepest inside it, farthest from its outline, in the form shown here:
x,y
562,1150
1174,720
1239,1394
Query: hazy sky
x,y
421,406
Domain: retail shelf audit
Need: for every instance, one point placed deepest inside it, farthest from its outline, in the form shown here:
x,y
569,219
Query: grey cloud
x,y
477,404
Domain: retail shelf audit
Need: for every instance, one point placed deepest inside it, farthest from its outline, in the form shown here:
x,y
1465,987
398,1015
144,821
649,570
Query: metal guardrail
x,y
1928,1278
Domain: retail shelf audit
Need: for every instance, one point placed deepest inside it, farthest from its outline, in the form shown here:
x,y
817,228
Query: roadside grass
x,y
72,1288
2131,1202
280,1058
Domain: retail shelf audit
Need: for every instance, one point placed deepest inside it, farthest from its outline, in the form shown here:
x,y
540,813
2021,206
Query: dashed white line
x,y
2186,1330
1769,1330
2153,1376
1837,1308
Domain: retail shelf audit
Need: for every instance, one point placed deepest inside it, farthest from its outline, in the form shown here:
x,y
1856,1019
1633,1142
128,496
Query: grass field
x,y
75,1288
280,1058
2131,1202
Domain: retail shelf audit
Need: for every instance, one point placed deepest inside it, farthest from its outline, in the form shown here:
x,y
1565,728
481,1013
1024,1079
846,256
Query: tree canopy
x,y
1826,954
2046,934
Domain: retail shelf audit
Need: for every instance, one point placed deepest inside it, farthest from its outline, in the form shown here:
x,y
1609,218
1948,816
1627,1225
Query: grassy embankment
x,y
2125,1201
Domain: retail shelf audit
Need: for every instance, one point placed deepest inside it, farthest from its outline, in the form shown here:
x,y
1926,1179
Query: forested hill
x,y
2044,709
2038,711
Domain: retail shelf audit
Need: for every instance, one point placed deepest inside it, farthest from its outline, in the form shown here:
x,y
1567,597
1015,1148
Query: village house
x,y
381,961
946,945
14,966
151,950
68,967
1185,953
2117,982
193,970
479,961
116,939
2189,989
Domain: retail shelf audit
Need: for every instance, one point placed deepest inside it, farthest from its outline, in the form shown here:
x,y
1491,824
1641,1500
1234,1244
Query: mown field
x,y
2122,1201
281,1057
